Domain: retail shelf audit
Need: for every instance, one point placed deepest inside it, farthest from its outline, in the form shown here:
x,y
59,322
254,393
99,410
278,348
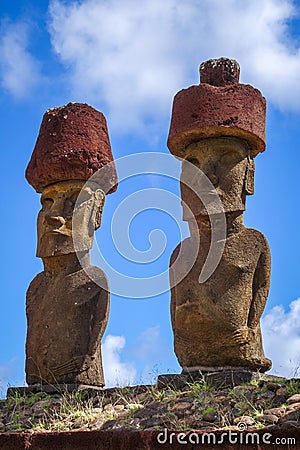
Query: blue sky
x,y
128,59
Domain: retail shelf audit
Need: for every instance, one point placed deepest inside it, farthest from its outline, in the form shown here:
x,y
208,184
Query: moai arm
x,y
99,320
173,286
261,285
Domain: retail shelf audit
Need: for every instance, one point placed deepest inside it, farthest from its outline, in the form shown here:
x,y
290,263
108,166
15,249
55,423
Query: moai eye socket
x,y
193,161
231,157
46,203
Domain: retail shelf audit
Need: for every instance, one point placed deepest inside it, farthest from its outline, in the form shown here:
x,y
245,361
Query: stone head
x,y
69,209
227,164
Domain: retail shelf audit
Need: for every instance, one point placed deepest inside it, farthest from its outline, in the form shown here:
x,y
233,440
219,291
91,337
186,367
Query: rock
x,y
267,394
220,72
293,399
119,408
268,418
281,391
97,424
154,405
144,413
278,400
176,381
41,405
290,416
151,422
182,406
183,409
210,110
245,391
293,406
278,412
229,378
247,420
72,144
211,417
110,424
274,386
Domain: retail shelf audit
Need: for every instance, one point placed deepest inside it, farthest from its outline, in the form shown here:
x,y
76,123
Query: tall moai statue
x,y
219,127
67,312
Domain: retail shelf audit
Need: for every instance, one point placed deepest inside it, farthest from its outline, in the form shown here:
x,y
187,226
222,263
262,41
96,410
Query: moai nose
x,y
55,221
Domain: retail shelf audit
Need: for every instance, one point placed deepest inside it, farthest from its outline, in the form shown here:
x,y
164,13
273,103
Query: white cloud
x,y
148,344
131,57
281,332
151,353
19,70
116,372
148,354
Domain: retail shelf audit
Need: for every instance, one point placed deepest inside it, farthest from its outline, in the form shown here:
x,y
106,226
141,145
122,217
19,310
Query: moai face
x,y
228,166
56,219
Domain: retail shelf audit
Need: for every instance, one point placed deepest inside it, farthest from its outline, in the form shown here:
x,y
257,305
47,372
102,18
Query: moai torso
x,y
216,323
66,316
212,320
67,304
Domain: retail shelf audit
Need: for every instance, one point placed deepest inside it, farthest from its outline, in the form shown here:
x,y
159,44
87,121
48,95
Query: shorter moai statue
x,y
219,127
67,311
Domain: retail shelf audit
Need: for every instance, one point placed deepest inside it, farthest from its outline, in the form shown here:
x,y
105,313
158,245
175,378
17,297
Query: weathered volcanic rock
x,y
73,143
219,106
220,72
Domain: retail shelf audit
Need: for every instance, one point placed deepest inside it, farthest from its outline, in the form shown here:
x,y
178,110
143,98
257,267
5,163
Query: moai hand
x,y
67,312
219,127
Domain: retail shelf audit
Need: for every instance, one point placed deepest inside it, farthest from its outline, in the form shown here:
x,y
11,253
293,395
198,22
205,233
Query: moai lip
x,y
67,312
219,127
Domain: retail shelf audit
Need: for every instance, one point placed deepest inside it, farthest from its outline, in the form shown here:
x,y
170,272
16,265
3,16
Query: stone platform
x,y
52,389
222,378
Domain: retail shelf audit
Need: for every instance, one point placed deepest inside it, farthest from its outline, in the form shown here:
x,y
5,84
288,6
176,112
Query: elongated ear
x,y
99,197
249,177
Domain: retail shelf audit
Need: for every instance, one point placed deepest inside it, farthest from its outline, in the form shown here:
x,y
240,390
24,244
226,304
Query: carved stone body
x,y
67,312
67,304
216,323
67,315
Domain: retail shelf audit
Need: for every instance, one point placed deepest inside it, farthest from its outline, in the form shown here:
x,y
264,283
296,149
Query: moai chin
x,y
67,312
219,127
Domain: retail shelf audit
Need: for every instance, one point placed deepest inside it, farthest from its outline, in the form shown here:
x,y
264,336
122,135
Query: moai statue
x,y
67,312
219,127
